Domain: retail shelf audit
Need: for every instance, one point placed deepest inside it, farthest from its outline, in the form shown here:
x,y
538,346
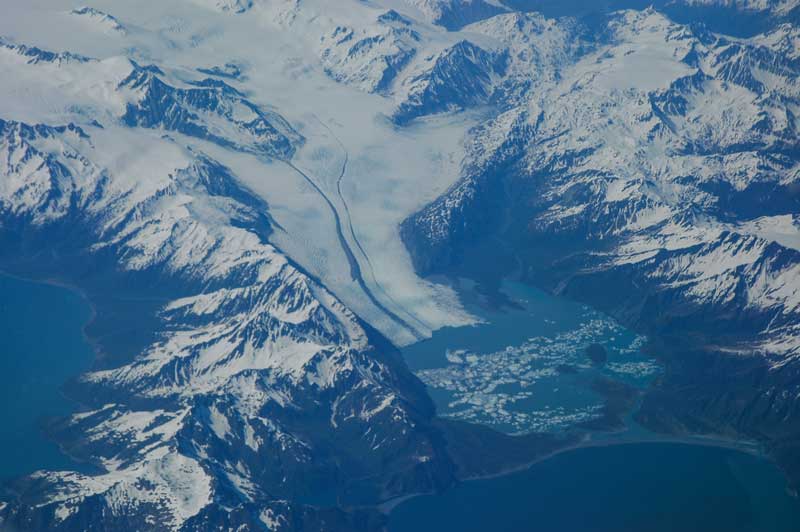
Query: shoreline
x,y
596,439
52,281
76,406
587,442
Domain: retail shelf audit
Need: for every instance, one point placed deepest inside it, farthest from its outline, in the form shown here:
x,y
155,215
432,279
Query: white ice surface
x,y
391,173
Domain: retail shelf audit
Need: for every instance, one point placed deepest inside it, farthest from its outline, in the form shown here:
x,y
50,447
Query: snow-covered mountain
x,y
255,379
655,149
773,6
251,339
97,19
453,14
245,176
656,177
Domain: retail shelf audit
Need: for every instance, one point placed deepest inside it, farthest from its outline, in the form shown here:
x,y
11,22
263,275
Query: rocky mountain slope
x,y
256,382
643,180
249,353
654,150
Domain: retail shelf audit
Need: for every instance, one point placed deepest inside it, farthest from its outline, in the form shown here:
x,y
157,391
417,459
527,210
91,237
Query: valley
x,y
343,253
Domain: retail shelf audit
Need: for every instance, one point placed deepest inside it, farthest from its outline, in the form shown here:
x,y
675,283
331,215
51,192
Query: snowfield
x,y
285,73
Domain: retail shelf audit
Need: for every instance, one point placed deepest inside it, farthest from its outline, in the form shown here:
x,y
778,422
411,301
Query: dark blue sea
x,y
645,487
41,347
630,487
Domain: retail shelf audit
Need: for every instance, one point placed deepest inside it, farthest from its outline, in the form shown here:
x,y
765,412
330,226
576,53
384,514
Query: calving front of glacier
x,y
654,177
258,187
152,182
664,152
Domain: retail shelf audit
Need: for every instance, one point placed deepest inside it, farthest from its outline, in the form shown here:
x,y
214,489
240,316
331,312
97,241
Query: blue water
x,y
41,347
508,372
530,312
653,487
635,487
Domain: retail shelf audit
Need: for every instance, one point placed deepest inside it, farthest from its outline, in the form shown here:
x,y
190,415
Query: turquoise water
x,y
529,312
653,487
525,368
41,347
509,373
